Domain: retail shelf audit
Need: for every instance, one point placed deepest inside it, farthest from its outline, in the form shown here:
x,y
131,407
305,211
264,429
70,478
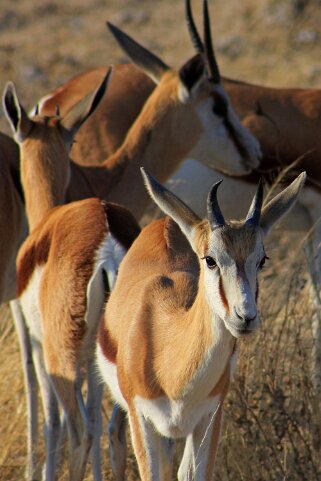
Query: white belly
x,y
30,304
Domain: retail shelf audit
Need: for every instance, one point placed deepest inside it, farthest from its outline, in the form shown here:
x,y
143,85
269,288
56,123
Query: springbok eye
x,y
262,262
210,262
220,106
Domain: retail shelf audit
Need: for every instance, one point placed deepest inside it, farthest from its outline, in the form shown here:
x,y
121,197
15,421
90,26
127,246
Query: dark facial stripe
x,y
222,295
220,108
235,138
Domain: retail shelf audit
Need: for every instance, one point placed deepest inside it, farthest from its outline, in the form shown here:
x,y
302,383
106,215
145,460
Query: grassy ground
x,y
270,418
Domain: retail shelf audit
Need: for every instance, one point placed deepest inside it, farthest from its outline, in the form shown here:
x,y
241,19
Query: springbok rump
x,y
64,269
186,290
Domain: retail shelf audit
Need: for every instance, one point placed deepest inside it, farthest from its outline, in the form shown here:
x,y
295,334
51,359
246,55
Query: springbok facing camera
x,y
166,348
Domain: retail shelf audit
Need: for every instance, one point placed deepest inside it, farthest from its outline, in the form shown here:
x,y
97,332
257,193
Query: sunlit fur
x,y
186,289
61,268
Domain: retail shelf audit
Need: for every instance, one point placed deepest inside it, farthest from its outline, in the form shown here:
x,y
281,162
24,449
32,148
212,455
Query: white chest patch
x,y
175,419
108,372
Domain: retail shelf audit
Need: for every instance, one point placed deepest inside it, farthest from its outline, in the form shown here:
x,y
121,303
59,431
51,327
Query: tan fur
x,y
43,156
162,274
238,241
65,242
163,336
154,140
284,120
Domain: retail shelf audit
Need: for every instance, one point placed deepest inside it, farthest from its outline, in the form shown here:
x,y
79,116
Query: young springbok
x,y
185,291
63,269
44,170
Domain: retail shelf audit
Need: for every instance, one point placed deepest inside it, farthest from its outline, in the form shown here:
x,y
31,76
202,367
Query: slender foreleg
x,y
151,449
201,448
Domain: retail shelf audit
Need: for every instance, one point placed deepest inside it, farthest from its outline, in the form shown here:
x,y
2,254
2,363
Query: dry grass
x,y
272,426
271,423
271,429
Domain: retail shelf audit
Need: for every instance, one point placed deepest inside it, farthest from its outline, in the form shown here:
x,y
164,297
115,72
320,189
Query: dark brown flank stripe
x,y
106,344
221,103
36,255
222,295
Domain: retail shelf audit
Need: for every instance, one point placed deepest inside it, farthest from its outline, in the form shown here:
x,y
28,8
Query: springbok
x,y
182,102
166,348
286,121
61,269
44,175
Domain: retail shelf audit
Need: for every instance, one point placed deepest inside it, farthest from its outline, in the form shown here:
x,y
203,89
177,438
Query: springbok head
x,y
191,105
231,253
45,143
54,129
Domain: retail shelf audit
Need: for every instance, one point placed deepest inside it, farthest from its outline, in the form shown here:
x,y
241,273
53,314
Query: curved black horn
x,y
254,213
209,51
214,214
196,39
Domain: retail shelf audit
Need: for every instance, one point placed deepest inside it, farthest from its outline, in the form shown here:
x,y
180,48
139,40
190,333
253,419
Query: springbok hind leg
x,y
94,400
62,370
51,412
31,386
117,442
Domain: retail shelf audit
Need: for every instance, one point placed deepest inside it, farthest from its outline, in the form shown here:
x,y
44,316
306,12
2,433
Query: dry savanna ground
x,y
271,420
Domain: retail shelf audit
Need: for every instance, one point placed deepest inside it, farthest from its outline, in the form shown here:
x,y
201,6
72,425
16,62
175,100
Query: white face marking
x,y
231,287
216,148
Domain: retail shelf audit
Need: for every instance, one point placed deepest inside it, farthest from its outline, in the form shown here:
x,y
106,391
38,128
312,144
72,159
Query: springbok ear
x,y
281,203
74,119
18,118
191,74
172,206
153,66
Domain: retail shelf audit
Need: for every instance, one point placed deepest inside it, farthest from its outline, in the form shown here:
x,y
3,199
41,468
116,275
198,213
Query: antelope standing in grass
x,y
286,121
185,291
45,176
182,103
61,269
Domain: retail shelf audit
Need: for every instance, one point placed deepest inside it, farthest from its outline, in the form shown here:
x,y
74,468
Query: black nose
x,y
247,320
